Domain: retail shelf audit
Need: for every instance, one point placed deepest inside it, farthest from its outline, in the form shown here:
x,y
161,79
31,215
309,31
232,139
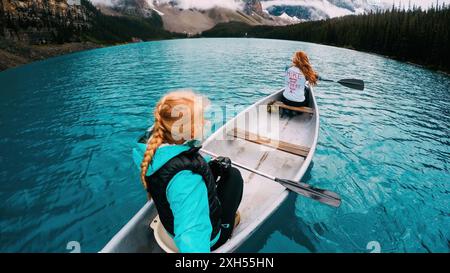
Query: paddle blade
x,y
323,196
352,83
327,192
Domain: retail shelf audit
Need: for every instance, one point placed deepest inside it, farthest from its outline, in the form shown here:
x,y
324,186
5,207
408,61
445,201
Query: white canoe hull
x,y
261,196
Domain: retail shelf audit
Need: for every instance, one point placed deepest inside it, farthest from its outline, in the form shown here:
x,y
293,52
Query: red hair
x,y
301,61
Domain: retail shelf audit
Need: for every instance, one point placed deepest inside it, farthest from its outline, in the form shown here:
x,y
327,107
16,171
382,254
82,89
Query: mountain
x,y
253,6
37,29
136,8
194,21
62,21
42,21
193,17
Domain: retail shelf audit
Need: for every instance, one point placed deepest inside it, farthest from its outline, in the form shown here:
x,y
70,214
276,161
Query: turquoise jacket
x,y
188,199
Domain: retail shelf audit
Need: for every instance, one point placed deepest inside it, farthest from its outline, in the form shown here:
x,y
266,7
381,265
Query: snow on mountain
x,y
320,9
286,17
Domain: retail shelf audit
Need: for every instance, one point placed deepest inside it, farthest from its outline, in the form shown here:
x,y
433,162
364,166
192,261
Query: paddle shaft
x,y
326,80
243,167
323,196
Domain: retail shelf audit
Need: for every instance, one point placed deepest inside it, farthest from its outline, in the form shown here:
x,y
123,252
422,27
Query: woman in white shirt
x,y
299,77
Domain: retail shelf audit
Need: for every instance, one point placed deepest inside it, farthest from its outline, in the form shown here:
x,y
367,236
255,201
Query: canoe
x,y
282,147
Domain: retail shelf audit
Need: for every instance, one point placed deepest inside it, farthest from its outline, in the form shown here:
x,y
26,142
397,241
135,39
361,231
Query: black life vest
x,y
157,185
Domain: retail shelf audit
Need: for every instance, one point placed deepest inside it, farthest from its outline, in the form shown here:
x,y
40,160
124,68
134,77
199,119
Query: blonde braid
x,y
153,143
164,122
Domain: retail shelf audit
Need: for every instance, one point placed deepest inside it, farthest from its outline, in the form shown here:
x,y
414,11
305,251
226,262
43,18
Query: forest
x,y
414,35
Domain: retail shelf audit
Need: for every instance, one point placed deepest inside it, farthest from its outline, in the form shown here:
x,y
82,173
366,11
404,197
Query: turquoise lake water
x,y
68,124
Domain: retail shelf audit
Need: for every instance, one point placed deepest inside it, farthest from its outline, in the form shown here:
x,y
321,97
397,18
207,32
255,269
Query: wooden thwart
x,y
293,108
277,144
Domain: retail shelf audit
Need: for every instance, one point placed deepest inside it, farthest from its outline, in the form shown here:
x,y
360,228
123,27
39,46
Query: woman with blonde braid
x,y
195,209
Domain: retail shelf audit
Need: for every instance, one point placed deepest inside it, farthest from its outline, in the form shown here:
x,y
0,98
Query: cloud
x,y
405,3
380,3
207,4
330,8
325,6
104,2
112,3
186,4
238,4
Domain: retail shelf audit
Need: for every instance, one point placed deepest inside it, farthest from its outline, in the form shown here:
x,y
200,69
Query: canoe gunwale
x,y
128,227
238,239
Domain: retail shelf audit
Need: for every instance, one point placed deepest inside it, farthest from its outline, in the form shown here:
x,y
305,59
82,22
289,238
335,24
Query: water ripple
x,y
68,125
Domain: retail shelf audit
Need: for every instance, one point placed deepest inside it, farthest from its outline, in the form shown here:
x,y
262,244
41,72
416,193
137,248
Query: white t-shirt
x,y
295,83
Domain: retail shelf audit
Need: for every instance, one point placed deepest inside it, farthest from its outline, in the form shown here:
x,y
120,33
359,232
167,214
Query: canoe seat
x,y
274,105
165,241
162,237
277,144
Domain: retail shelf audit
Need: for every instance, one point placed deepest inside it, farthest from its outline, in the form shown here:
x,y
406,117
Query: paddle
x,y
323,196
350,83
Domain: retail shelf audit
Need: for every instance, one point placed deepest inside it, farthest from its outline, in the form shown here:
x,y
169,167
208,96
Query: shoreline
x,y
15,54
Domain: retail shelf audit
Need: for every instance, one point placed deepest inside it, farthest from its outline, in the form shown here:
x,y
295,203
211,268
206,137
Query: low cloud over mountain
x,y
303,10
183,4
194,16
